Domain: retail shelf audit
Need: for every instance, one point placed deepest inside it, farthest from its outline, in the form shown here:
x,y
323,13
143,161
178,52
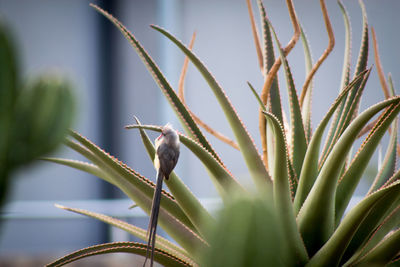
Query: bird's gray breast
x,y
168,157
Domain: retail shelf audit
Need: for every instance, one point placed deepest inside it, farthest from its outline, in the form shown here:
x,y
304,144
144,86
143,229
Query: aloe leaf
x,y
245,142
389,162
161,242
298,138
347,47
142,184
391,86
347,113
317,216
392,221
83,166
393,179
349,181
336,129
222,178
269,59
282,196
363,55
256,96
374,219
383,253
182,113
192,207
171,217
331,253
160,256
309,171
306,108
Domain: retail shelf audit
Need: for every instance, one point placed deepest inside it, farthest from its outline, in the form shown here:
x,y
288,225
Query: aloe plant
x,y
297,217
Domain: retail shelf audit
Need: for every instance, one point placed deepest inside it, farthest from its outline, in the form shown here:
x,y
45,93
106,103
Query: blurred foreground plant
x,y
34,116
297,218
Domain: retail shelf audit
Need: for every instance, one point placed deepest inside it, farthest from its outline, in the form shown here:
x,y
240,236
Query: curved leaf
x,y
245,142
347,47
309,170
161,242
306,108
257,96
126,179
393,179
363,55
372,221
389,162
298,137
142,184
316,217
343,113
83,166
269,59
177,105
331,253
160,256
392,221
383,253
282,197
349,181
224,180
347,113
192,207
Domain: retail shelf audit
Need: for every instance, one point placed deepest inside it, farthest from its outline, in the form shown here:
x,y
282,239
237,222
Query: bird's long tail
x,y
155,208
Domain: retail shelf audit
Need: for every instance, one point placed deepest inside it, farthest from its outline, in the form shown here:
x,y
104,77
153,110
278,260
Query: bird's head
x,y
168,134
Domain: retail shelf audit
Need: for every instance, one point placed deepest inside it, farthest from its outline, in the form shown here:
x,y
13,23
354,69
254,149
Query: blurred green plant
x,y
34,116
298,216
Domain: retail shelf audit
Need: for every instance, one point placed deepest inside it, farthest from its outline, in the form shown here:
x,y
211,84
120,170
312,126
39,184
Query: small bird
x,y
166,157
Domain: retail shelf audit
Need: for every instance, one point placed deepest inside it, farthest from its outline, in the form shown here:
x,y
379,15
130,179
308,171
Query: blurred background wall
x,y
112,85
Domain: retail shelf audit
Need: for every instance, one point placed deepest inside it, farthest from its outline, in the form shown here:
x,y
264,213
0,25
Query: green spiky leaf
x,y
171,218
282,195
349,181
177,105
298,138
160,256
332,251
316,217
309,170
245,142
161,243
306,108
